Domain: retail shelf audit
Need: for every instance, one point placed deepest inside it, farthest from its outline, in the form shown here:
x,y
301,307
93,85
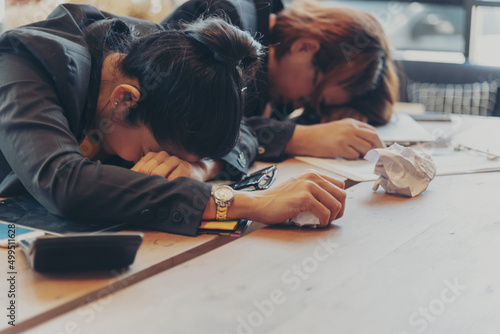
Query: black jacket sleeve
x,y
273,136
241,157
43,154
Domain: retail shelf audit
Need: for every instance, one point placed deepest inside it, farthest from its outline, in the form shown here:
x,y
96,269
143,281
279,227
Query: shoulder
x,y
238,12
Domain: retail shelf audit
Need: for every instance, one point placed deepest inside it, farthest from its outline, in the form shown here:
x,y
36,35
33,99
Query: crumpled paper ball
x,y
306,218
402,170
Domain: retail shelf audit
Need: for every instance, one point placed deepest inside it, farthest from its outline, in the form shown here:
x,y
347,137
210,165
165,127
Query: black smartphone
x,y
82,251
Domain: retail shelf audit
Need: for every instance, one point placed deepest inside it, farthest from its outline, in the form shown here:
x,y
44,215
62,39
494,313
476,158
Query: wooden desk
x,y
390,257
41,297
392,265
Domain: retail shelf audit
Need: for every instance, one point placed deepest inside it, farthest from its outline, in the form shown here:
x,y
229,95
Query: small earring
x,y
115,103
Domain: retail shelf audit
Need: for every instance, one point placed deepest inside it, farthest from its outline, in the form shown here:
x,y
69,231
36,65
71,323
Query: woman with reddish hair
x,y
333,62
354,72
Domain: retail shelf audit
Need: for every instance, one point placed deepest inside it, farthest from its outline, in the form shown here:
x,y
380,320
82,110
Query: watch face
x,y
224,194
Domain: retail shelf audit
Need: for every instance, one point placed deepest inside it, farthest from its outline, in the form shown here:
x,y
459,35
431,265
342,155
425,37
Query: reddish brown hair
x,y
354,54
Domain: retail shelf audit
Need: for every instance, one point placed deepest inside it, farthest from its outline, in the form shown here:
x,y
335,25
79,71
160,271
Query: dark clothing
x,y
48,95
251,16
248,15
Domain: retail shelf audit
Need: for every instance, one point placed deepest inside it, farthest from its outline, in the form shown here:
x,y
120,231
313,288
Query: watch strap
x,y
221,213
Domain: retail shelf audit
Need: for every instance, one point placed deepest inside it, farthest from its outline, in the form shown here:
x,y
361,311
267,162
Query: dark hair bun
x,y
226,43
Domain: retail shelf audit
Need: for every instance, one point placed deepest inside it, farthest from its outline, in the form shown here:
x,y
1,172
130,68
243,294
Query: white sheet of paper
x,y
481,136
484,136
404,130
356,170
448,162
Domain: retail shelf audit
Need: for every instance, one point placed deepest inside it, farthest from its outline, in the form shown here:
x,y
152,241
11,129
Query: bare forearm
x,y
210,168
299,143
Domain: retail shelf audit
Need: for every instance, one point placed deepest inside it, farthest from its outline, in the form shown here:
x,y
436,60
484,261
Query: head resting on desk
x,y
179,90
342,57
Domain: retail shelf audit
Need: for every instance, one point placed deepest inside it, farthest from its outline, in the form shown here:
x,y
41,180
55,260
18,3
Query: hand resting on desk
x,y
348,138
320,194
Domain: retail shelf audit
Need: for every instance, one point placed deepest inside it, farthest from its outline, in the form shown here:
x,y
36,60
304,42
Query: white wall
x,y
153,10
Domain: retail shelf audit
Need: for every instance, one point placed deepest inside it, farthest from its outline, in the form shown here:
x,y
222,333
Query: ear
x,y
122,98
304,44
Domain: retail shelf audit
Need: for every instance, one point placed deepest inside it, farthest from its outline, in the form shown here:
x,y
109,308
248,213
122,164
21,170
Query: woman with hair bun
x,y
83,79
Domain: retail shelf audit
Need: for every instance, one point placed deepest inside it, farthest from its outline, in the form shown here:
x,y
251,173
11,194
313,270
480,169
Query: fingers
x,y
359,147
320,211
149,166
150,161
180,170
162,170
347,152
322,177
137,167
328,194
335,188
164,165
370,135
172,168
329,197
350,139
365,131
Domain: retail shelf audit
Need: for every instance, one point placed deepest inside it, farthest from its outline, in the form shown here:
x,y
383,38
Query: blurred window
x,y
2,11
485,35
2,14
439,30
417,26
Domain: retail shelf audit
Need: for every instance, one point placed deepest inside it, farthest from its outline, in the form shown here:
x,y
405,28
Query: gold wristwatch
x,y
223,196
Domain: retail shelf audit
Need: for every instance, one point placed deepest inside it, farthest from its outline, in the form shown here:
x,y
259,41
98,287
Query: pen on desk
x,y
490,156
